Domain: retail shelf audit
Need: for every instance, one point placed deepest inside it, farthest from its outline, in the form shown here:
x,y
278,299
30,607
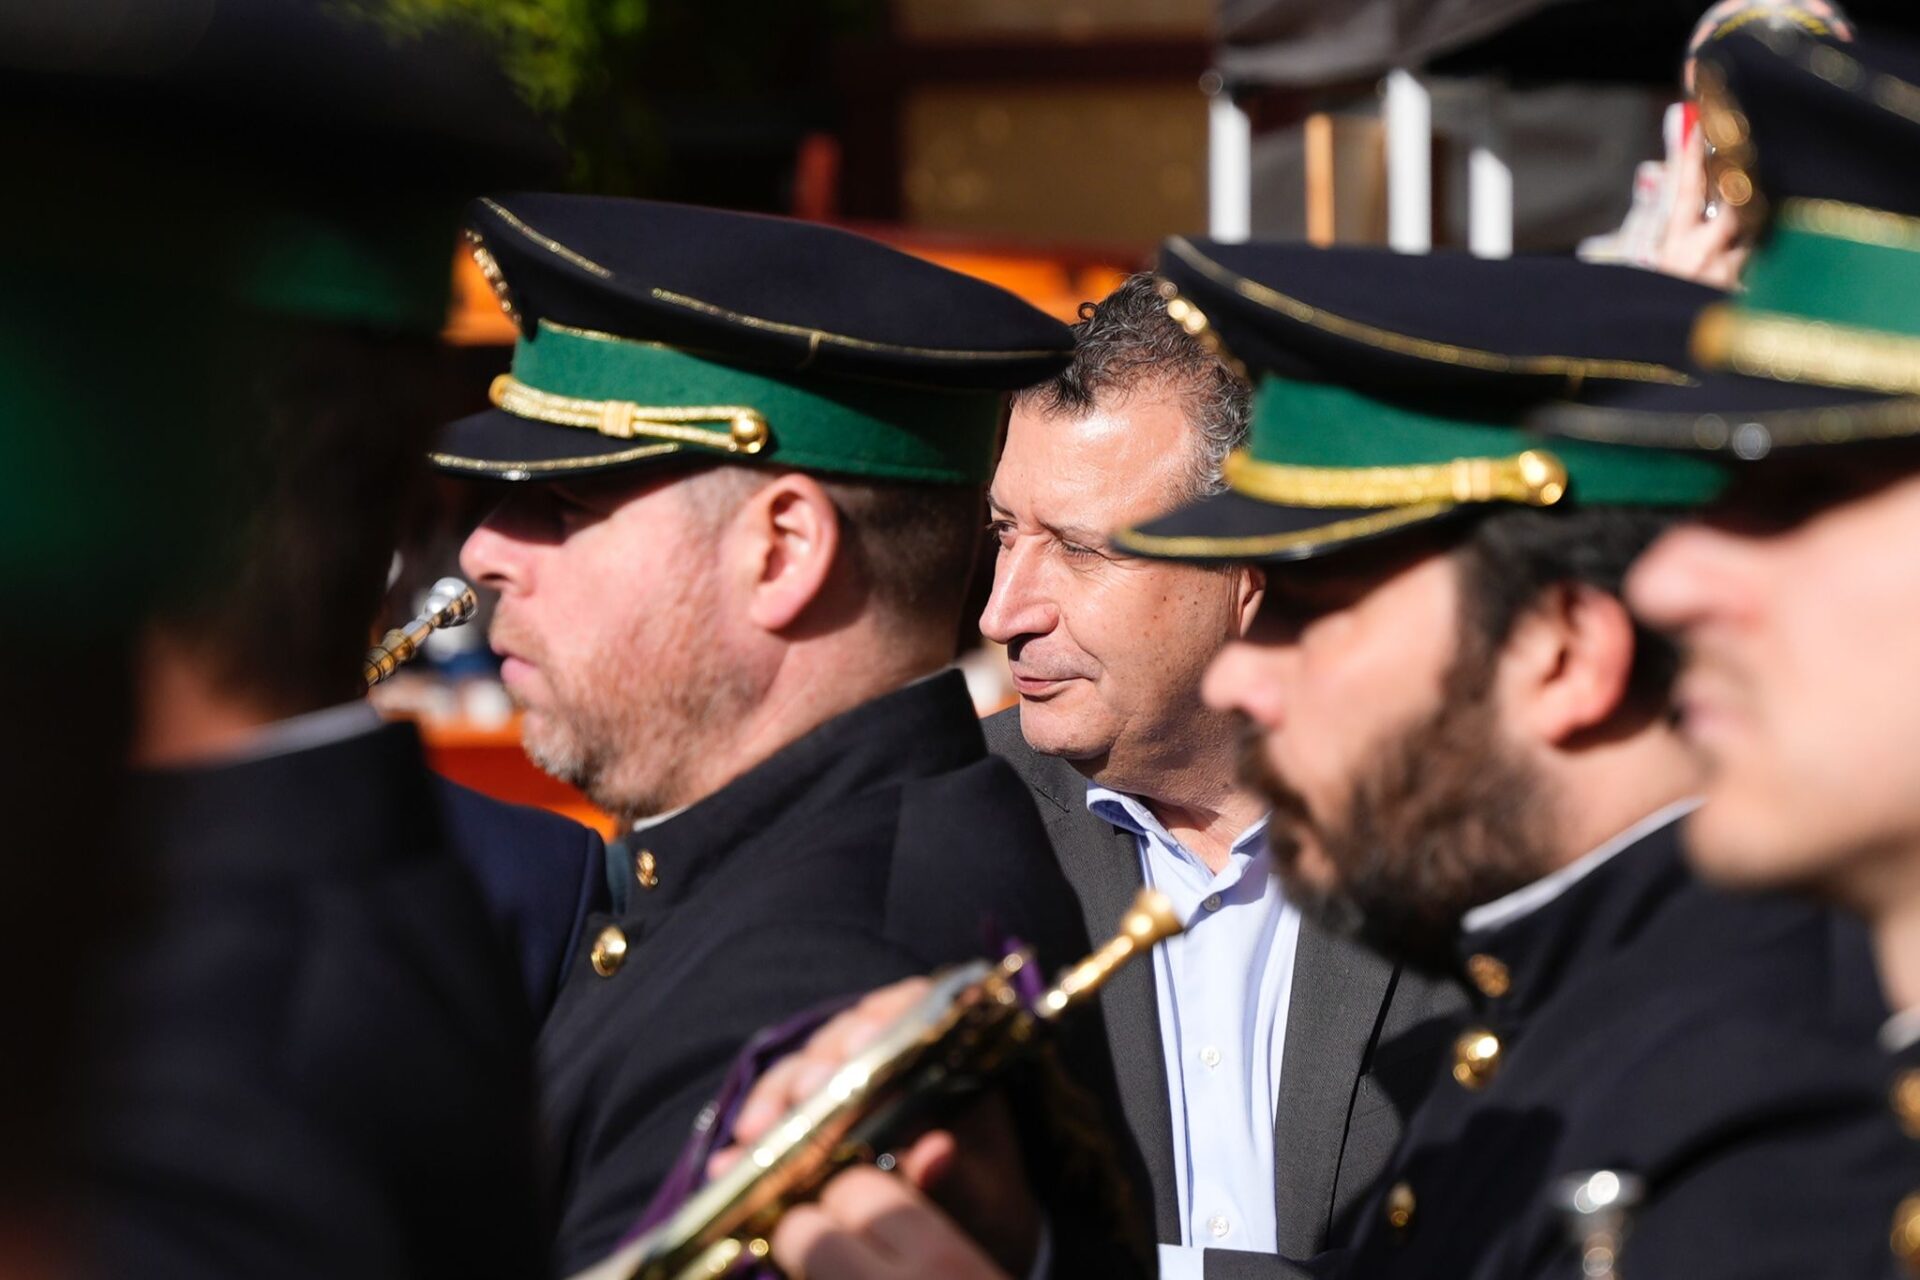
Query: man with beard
x,y
1793,595
741,462
1468,748
1254,1014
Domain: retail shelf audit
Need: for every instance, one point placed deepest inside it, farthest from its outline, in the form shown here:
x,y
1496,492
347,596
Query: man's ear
x,y
789,533
1568,664
1249,589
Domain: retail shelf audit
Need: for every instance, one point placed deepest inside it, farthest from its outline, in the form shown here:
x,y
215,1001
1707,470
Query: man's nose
x,y
1019,605
1238,679
492,558
1688,574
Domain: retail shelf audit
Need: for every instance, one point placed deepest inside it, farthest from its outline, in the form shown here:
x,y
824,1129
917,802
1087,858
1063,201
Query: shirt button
x,y
1213,903
1210,1056
1219,1225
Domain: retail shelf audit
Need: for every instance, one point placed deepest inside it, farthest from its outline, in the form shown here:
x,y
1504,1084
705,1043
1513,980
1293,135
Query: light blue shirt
x,y
1224,986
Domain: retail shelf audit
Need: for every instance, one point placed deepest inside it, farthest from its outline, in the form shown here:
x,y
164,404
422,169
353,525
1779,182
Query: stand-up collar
x,y
923,729
1515,967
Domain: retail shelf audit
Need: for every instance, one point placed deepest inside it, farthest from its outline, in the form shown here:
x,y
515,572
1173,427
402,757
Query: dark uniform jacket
x,y
1648,1025
1903,1094
312,1060
540,876
882,844
1363,1038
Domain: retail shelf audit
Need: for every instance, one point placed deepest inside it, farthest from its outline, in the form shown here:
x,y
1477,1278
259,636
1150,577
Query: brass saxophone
x,y
972,1024
449,604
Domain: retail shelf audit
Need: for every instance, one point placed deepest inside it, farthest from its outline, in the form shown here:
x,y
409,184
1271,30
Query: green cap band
x,y
1829,301
624,389
1322,445
1808,272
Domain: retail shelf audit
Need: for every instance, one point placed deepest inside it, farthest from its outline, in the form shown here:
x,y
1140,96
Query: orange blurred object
x,y
491,761
1054,278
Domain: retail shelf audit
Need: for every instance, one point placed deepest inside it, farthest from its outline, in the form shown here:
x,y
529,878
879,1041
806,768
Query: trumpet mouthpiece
x,y
450,602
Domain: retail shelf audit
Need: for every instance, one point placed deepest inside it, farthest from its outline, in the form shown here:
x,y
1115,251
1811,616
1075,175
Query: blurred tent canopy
x,y
1312,44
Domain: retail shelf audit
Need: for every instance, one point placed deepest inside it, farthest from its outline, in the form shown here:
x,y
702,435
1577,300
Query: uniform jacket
x,y
1903,1095
884,843
540,876
312,1059
1649,1025
1361,1043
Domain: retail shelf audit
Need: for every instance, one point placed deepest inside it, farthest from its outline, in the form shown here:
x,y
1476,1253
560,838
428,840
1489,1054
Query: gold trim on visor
x,y
1535,478
1788,349
1203,547
1573,368
623,420
1842,221
528,470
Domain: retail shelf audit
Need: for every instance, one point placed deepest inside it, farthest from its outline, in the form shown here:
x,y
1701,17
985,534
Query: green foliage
x,y
552,50
613,75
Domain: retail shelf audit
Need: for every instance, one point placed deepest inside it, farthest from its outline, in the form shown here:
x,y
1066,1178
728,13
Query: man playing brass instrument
x,y
1466,741
740,462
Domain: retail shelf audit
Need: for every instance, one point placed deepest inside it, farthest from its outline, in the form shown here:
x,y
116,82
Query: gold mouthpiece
x,y
1147,921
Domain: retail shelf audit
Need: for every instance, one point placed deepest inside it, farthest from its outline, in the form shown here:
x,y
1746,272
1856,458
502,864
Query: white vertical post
x,y
1408,112
1490,176
1229,164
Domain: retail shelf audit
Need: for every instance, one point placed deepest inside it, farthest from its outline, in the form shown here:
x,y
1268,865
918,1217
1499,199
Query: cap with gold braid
x,y
1822,347
650,332
1390,389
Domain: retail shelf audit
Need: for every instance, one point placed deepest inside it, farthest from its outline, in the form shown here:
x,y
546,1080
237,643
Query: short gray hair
x,y
1127,343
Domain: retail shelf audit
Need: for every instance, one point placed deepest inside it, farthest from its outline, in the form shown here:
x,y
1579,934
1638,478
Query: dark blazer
x,y
540,875
1362,1037
312,1059
882,844
1651,1026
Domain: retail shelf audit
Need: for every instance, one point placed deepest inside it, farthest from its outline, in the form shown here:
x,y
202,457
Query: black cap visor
x,y
1231,526
497,445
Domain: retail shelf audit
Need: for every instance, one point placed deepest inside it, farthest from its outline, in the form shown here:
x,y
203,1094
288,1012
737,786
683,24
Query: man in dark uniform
x,y
741,462
308,1056
1471,742
1467,745
1793,597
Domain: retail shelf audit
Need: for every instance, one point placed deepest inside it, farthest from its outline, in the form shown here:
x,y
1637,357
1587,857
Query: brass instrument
x,y
972,1024
449,604
1596,1208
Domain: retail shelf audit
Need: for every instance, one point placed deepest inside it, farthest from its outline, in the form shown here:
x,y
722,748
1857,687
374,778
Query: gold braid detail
x,y
1535,478
623,420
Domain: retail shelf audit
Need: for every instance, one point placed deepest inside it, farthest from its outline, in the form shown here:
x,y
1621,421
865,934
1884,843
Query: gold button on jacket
x,y
1476,1057
609,951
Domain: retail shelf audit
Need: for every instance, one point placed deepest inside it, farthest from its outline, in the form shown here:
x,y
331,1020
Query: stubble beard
x,y
637,726
1442,819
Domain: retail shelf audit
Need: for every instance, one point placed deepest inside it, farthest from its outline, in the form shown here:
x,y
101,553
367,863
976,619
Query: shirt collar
x,y
1525,901
1131,813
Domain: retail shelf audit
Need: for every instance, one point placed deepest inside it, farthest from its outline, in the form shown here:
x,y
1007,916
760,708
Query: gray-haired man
x,y
1258,1014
